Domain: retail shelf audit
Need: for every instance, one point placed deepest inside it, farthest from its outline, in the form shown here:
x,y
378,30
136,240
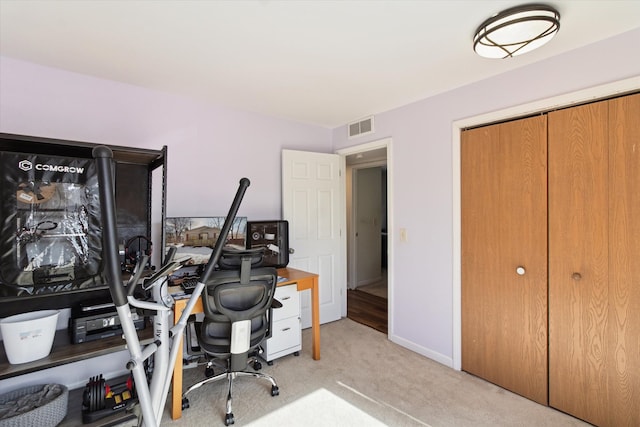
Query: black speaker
x,y
273,236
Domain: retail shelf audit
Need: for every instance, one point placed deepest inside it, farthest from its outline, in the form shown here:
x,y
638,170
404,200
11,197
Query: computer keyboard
x,y
189,284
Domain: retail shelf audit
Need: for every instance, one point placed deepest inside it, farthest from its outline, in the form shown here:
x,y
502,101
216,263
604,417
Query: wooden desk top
x,y
292,275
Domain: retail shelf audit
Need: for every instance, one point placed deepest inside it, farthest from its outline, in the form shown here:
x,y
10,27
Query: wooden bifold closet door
x,y
551,258
623,345
594,261
578,259
504,255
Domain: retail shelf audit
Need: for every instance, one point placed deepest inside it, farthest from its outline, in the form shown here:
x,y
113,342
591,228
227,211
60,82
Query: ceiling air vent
x,y
361,127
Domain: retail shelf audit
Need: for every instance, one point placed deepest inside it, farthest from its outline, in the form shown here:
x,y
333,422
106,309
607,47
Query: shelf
x,y
57,147
64,352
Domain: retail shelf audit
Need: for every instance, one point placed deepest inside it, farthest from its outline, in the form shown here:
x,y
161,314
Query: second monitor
x,y
273,236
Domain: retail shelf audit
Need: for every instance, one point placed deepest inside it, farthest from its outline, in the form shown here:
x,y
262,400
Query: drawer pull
x,y
285,298
285,329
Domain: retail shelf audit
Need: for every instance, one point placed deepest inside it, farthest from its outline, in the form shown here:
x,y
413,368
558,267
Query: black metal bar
x,y
106,189
228,222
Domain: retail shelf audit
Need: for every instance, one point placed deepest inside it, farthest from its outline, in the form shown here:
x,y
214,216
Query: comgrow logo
x,y
26,165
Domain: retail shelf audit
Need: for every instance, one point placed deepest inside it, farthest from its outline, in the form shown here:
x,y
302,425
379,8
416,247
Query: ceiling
x,y
320,62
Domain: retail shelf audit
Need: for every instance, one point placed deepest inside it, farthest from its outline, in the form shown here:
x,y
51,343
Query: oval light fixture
x,y
516,30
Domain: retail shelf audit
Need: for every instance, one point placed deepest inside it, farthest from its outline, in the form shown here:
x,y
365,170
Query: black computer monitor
x,y
195,237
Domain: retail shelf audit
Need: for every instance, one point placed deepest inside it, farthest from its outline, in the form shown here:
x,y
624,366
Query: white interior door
x,y
313,203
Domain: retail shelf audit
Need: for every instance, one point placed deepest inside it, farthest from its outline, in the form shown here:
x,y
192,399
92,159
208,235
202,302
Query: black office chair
x,y
237,306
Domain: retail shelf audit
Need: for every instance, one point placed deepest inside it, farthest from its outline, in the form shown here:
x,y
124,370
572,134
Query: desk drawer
x,y
290,299
286,338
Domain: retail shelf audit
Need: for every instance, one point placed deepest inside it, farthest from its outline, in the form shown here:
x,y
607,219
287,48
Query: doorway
x,y
368,265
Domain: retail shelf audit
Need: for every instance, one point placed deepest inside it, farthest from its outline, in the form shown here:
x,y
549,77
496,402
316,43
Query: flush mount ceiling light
x,y
516,31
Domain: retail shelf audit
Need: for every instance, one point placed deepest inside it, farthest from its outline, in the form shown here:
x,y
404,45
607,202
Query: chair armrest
x,y
274,304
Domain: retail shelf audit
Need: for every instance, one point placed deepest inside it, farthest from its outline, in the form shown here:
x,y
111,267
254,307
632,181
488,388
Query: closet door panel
x,y
504,228
578,260
624,272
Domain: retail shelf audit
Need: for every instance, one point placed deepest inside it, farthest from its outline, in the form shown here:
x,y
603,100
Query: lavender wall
x,y
210,147
423,270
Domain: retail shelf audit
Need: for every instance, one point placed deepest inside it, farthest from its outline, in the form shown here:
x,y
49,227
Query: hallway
x,y
368,305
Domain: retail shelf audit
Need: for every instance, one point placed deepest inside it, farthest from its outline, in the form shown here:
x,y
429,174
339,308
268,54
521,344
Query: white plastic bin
x,y
29,336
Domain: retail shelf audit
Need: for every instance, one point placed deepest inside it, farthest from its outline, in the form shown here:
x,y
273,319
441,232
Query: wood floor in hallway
x,y
368,309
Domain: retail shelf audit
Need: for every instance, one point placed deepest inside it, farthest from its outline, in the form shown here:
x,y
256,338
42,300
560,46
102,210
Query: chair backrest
x,y
235,296
233,259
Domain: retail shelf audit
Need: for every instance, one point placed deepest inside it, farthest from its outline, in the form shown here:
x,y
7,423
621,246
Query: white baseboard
x,y
427,352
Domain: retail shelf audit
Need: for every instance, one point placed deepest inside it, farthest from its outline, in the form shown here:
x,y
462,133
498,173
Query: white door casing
x,y
385,143
313,204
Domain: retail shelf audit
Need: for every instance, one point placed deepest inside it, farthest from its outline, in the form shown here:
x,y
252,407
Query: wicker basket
x,y
50,413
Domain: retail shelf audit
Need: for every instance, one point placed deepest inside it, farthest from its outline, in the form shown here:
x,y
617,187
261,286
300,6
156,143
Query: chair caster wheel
x,y
275,390
208,372
228,419
257,366
185,403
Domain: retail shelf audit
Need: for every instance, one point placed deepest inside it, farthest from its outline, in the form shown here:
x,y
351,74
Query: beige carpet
x,y
363,379
317,409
